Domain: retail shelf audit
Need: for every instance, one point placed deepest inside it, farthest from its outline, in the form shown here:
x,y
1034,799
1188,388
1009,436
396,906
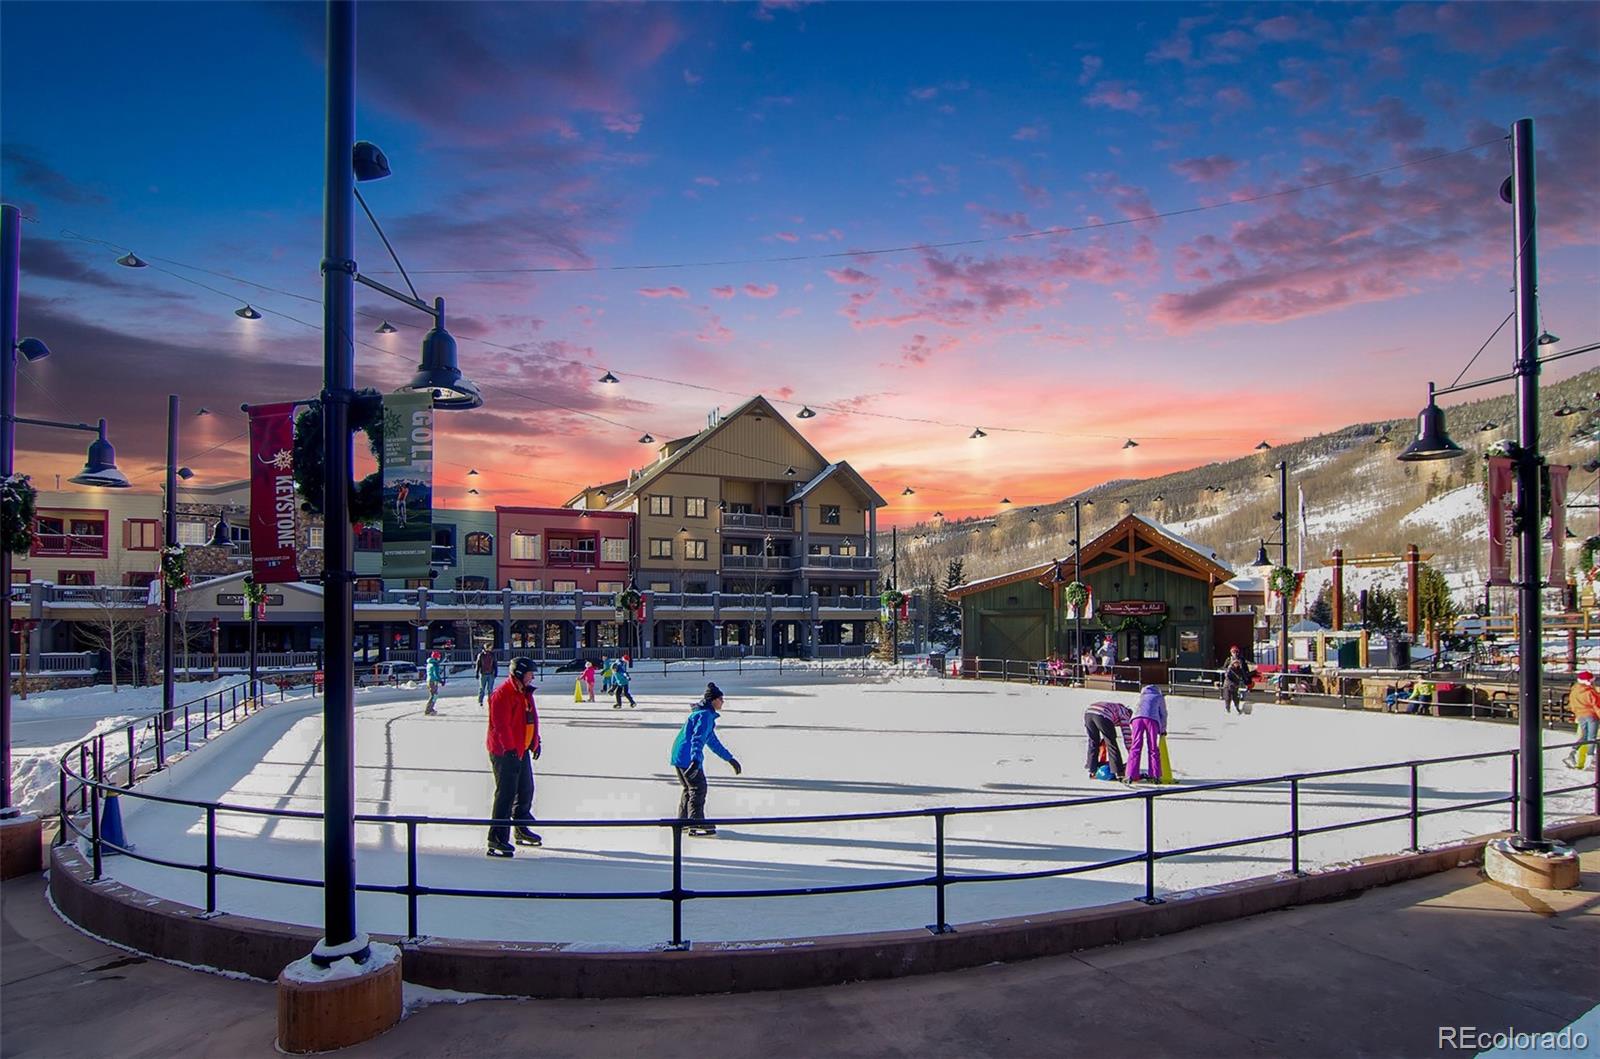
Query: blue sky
x,y
536,136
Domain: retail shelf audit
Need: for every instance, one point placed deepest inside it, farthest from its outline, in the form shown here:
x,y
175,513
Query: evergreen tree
x,y
947,612
1435,604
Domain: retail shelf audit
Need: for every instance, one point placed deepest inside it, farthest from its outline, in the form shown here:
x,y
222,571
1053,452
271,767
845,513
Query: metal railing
x,y
91,789
731,561
103,595
750,520
60,662
841,562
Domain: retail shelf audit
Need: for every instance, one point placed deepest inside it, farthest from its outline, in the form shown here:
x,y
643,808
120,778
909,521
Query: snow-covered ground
x,y
46,725
808,746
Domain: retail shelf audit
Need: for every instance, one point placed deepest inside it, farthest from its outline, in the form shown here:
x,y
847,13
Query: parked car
x,y
391,673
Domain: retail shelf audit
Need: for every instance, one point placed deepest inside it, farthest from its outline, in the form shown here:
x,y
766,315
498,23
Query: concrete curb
x,y
173,931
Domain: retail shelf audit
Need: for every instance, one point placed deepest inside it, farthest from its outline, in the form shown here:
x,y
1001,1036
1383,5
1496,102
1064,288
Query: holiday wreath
x,y
174,568
1076,594
366,497
627,601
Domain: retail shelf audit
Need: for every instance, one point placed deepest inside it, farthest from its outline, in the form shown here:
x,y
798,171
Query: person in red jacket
x,y
513,747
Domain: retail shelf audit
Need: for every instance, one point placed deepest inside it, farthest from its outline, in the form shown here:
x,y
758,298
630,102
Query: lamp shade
x,y
221,535
805,413
439,374
1432,441
100,468
1261,555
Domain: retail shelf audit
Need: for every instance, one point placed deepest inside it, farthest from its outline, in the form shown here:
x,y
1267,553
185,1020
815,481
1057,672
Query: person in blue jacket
x,y
435,676
688,752
619,680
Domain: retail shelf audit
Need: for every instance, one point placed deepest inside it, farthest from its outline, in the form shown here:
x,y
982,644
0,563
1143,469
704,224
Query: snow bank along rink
x,y
809,745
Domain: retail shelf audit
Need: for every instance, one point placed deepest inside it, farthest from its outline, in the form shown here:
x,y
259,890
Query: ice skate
x,y
501,849
528,838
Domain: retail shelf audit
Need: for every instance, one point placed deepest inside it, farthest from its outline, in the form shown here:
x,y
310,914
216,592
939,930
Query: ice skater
x,y
1108,655
1236,678
435,678
588,677
1149,725
513,747
1100,722
488,667
1584,702
619,680
688,753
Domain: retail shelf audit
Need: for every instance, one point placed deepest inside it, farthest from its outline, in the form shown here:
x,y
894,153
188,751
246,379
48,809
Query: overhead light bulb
x,y
609,379
131,260
247,312
385,328
805,413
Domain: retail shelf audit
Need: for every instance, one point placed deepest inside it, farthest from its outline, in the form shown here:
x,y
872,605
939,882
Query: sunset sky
x,y
588,137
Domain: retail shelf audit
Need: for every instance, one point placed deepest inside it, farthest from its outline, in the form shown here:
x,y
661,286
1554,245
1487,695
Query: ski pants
x,y
1588,730
622,689
433,694
1101,731
1146,740
513,793
692,806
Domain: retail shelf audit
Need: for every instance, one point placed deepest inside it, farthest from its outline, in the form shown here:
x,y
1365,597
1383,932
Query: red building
x,y
559,549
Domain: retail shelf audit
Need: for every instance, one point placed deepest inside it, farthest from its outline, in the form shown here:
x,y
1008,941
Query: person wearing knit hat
x,y
1584,702
688,753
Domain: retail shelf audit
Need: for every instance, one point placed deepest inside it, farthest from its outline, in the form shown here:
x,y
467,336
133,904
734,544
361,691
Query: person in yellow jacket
x,y
1584,702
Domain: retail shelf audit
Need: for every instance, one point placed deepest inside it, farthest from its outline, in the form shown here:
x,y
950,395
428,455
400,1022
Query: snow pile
x,y
416,997
811,746
306,971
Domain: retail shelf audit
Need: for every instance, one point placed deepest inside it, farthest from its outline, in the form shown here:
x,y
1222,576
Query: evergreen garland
x,y
366,497
175,568
1587,555
1154,623
19,500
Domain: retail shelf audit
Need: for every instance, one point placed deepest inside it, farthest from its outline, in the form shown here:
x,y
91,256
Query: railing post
x,y
211,858
1150,897
186,725
83,777
161,740
1415,845
133,759
94,828
938,926
1294,825
1516,787
411,879
677,886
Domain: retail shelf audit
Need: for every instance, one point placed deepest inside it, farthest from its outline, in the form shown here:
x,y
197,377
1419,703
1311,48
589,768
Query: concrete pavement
x,y
1374,975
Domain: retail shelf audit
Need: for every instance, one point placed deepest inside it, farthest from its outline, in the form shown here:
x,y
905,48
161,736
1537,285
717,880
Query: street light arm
x,y
386,245
383,288
49,423
1590,348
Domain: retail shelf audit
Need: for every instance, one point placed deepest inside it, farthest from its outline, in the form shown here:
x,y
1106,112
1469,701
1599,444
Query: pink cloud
x,y
1207,168
1015,221
788,237
708,181
763,291
789,313
722,292
849,276
920,350
926,93
1232,96
1091,65
1115,95
673,291
1028,132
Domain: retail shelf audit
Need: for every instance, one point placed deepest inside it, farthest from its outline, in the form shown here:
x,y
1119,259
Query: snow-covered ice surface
x,y
809,746
46,725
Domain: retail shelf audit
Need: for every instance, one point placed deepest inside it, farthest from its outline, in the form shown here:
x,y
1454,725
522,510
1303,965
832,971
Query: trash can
x,y
936,661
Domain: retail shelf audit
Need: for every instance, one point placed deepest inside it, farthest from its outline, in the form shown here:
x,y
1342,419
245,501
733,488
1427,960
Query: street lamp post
x,y
1283,527
894,583
1077,575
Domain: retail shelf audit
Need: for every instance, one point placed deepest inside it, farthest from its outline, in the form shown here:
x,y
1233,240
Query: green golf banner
x,y
407,484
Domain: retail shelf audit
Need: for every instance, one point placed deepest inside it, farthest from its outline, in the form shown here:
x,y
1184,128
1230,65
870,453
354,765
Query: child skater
x,y
588,677
688,752
1101,721
1149,725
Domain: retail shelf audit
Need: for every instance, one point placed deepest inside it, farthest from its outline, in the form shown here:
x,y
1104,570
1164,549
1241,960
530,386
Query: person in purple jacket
x,y
1149,725
1101,721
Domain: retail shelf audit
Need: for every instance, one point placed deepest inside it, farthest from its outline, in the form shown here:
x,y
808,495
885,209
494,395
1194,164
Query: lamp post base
x,y
21,845
323,1008
1554,868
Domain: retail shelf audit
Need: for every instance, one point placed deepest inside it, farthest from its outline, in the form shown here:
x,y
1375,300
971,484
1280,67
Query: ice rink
x,y
809,745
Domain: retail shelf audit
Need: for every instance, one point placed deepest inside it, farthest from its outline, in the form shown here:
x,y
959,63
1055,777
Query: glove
x,y
737,771
536,752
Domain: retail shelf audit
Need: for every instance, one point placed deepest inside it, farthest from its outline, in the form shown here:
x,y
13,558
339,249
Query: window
x,y
368,539
661,586
614,550
480,544
848,548
238,534
738,547
70,533
661,505
193,534
824,591
1189,641
525,546
314,538
522,584
75,577
419,582
694,507
822,549
613,587
694,550
660,547
21,577
697,587
141,534
369,587
739,509
830,514
472,584
139,578
565,586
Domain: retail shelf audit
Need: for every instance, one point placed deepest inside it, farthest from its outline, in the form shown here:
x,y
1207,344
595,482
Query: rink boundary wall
x,y
174,931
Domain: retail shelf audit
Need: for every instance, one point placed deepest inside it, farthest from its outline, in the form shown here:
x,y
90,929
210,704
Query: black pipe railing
x,y
676,894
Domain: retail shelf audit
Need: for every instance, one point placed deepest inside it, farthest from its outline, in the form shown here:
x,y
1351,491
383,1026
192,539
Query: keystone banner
x,y
273,553
1502,501
1558,523
407,484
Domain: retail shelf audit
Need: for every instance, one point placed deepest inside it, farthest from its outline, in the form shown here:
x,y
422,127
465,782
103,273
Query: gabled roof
x,y
679,448
1111,547
846,473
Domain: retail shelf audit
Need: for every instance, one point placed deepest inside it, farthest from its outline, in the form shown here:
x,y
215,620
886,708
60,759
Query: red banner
x,y
1502,502
1558,523
1133,608
273,555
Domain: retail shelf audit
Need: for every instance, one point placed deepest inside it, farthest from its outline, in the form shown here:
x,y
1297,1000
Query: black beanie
x,y
713,692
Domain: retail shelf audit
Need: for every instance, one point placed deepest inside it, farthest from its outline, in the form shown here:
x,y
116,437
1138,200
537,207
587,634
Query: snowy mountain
x,y
1357,496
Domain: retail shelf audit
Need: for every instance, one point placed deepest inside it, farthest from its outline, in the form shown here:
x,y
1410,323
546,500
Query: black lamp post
x,y
1077,575
1283,528
346,162
1433,443
99,469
